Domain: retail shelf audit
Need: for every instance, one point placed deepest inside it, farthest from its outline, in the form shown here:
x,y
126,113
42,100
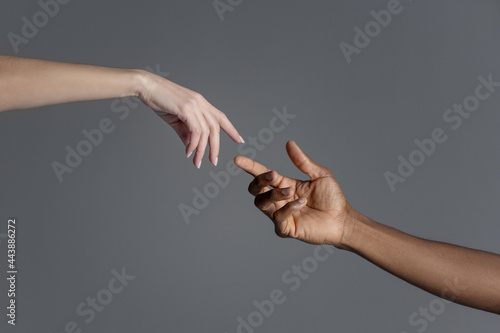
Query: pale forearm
x,y
26,83
466,276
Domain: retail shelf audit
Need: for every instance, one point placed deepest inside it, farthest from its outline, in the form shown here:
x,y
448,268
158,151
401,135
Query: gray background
x,y
119,208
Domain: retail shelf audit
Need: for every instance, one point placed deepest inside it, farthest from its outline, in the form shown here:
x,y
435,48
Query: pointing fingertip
x,y
198,165
241,140
216,161
238,161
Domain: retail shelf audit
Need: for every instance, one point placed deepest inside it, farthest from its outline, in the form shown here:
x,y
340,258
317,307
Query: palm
x,y
177,124
325,208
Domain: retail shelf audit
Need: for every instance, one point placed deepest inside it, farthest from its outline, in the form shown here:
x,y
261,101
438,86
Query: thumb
x,y
304,163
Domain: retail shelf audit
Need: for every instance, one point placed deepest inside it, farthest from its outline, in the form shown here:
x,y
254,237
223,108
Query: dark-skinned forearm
x,y
465,276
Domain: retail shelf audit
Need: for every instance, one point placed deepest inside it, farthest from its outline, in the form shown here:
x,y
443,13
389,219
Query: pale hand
x,y
192,117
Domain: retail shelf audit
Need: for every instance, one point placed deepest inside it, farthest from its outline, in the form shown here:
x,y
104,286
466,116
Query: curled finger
x,y
269,198
281,216
260,183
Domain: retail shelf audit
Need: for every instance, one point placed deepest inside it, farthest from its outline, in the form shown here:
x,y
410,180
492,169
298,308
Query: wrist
x,y
140,82
353,224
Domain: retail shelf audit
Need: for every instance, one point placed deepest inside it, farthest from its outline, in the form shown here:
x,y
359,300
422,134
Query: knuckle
x,y
279,231
250,188
214,127
201,149
261,181
205,129
276,194
196,131
198,97
326,170
187,108
267,177
222,117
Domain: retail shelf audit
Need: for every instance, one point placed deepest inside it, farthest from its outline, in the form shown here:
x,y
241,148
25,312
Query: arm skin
x,y
317,212
27,83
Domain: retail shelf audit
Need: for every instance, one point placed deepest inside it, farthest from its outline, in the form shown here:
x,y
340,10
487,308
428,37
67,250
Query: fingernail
x,y
216,161
301,201
269,176
189,155
198,165
285,191
241,140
